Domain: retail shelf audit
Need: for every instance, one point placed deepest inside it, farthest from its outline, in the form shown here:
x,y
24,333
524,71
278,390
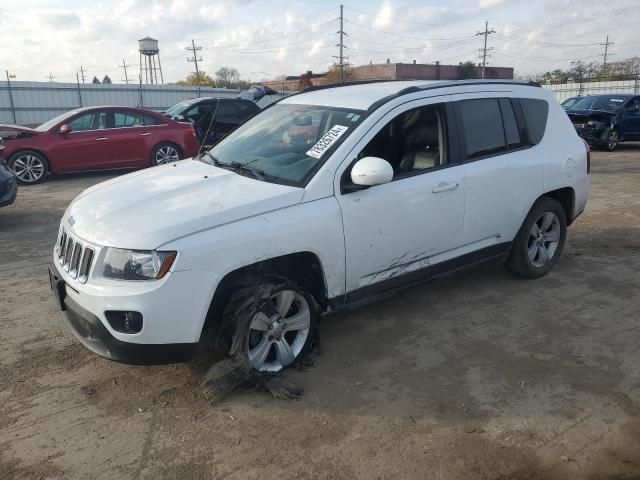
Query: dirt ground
x,y
478,376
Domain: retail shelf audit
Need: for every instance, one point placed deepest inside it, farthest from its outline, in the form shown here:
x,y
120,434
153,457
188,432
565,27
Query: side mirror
x,y
65,128
370,171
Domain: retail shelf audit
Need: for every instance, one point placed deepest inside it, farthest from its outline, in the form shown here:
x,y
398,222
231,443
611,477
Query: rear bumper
x,y
91,332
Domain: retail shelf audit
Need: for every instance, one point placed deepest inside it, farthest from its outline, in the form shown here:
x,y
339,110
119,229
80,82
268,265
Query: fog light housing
x,y
124,321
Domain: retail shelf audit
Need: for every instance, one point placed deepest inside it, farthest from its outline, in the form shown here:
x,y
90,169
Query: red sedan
x,y
96,138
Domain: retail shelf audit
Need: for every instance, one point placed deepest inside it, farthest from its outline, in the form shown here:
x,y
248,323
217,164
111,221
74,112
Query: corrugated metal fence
x,y
32,103
563,91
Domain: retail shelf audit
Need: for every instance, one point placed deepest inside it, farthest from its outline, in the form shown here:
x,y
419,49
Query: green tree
x,y
202,79
467,70
333,74
106,80
95,80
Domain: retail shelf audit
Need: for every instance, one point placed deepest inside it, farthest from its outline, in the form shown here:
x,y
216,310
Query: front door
x,y
631,120
414,221
86,147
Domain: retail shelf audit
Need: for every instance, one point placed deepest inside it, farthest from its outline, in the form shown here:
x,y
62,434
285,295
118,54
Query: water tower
x,y
149,53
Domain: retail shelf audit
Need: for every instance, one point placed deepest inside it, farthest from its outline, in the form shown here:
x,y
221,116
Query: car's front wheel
x,y
28,166
612,140
165,153
540,241
274,322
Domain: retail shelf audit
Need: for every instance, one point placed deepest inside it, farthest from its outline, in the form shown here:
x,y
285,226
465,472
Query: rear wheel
x,y
165,153
540,240
29,167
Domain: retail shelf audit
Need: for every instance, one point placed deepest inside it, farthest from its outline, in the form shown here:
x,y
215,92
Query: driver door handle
x,y
444,186
100,139
145,134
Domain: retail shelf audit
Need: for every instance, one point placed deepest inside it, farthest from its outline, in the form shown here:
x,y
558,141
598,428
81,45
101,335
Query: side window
x,y
225,112
511,130
482,127
413,141
634,106
89,121
127,119
148,120
535,115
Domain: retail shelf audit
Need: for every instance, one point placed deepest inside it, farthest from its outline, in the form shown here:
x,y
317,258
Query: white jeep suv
x,y
327,197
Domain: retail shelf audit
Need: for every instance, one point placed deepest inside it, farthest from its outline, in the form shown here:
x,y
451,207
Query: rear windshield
x,y
535,115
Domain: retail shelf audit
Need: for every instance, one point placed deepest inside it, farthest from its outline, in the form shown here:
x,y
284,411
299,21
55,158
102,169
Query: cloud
x,y
384,16
59,20
489,3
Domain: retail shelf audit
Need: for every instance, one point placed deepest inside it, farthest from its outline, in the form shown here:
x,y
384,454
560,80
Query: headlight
x,y
136,264
594,124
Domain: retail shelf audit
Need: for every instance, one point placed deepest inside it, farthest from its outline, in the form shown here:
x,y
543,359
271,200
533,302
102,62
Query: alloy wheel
x,y
278,333
28,168
544,239
612,140
166,154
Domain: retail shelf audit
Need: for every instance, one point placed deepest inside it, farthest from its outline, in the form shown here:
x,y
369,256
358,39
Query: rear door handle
x,y
100,139
145,134
443,187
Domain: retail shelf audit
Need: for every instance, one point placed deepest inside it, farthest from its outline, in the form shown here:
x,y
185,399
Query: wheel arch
x,y
36,150
566,197
303,267
165,142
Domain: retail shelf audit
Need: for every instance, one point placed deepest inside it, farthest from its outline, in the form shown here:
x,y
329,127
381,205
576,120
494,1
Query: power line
x,y
50,77
404,36
606,50
124,66
486,33
195,60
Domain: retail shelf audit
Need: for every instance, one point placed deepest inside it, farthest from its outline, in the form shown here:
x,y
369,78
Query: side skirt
x,y
495,253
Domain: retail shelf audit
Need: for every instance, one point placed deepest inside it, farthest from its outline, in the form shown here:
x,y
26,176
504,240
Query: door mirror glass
x,y
371,171
65,128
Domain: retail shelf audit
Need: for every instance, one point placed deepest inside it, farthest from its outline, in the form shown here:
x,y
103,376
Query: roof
x,y
364,95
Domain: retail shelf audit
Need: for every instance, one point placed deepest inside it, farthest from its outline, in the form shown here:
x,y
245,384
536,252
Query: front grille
x,y
74,257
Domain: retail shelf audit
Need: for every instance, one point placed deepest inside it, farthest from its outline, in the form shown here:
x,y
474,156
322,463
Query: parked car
x,y
228,113
568,103
8,184
605,120
96,138
323,199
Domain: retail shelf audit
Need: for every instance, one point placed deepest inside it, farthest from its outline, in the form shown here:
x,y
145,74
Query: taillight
x,y
586,145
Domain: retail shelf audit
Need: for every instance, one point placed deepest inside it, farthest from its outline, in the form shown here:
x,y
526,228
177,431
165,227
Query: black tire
x,y
30,167
612,139
261,297
526,244
160,154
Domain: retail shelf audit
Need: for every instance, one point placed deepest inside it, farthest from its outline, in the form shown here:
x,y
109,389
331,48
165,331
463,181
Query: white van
x,y
320,200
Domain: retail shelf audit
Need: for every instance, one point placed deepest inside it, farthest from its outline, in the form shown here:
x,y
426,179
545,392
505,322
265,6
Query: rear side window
x,y
511,131
535,115
482,126
149,120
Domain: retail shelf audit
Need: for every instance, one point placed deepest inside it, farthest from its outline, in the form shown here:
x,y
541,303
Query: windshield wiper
x,y
242,167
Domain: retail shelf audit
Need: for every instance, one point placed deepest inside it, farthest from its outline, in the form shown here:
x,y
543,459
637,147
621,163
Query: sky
x,y
264,39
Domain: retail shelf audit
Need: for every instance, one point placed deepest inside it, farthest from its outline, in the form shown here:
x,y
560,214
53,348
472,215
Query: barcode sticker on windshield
x,y
326,141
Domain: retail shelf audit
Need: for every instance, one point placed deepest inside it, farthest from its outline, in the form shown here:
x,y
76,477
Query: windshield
x,y
608,103
54,121
287,143
569,102
178,108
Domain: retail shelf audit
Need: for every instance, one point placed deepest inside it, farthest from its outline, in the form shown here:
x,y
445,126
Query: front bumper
x,y
595,137
93,333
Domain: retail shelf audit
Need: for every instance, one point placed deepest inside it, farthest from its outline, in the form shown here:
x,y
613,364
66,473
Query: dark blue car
x,y
605,120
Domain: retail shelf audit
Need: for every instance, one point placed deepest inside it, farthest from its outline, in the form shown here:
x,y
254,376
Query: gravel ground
x,y
480,375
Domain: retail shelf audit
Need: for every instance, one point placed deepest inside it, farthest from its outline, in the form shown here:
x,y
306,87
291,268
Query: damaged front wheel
x,y
275,323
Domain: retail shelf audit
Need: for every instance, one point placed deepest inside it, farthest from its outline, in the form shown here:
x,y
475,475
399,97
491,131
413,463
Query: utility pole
x,y
82,70
606,54
341,58
486,33
124,65
50,77
195,59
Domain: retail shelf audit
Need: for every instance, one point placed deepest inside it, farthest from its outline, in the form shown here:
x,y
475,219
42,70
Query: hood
x,y
11,130
585,115
148,208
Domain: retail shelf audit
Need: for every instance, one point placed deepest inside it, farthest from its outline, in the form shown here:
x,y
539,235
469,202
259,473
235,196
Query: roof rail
x,y
313,88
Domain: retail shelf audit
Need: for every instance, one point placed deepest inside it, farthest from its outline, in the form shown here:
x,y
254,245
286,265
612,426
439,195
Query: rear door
x,y
503,176
226,119
631,120
130,139
86,147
